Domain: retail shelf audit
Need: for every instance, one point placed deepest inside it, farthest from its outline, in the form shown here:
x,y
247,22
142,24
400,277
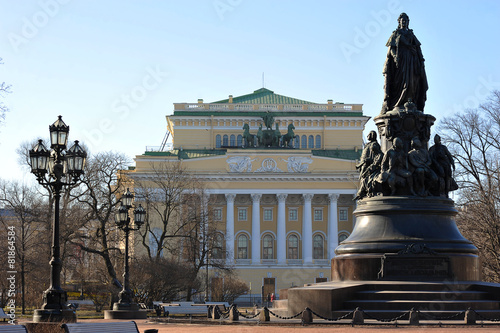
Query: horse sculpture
x,y
277,136
249,138
289,136
260,137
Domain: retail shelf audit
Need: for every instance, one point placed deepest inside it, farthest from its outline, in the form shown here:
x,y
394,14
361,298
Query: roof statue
x,y
404,70
268,120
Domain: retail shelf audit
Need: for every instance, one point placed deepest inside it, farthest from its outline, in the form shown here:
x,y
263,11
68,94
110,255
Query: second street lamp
x,y
125,308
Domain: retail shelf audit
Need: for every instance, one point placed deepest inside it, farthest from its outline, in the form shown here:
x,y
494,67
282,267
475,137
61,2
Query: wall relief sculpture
x,y
240,164
298,163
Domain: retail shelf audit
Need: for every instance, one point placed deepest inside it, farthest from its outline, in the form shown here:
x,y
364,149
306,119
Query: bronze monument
x,y
405,237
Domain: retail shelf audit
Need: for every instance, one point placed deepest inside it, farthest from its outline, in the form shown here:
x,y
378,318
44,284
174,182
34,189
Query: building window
x,y
318,141
297,142
225,140
240,140
293,214
242,247
303,144
318,251
318,214
343,236
293,247
217,214
343,214
268,214
217,141
242,214
311,141
267,245
232,140
218,247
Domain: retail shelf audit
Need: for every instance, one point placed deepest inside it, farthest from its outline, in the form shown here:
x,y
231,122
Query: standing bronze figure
x,y
443,164
404,70
268,120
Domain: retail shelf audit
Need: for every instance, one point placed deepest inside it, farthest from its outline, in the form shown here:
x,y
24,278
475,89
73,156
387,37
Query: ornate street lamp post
x,y
56,169
122,220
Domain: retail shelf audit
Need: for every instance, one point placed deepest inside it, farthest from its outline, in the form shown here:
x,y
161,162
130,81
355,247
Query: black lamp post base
x,y
126,306
125,311
54,315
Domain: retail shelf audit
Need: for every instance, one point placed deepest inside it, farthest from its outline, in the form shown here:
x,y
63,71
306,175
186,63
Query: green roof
x,y
264,96
348,154
187,154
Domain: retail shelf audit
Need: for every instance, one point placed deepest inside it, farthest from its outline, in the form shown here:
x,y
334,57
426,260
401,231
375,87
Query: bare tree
x,y
164,194
161,279
179,221
24,213
101,185
227,288
91,273
473,137
4,89
202,244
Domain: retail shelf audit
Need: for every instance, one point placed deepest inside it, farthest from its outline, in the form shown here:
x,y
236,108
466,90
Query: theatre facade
x,y
281,176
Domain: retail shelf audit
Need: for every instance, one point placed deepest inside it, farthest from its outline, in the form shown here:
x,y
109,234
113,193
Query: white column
x,y
333,225
256,228
230,227
281,232
307,246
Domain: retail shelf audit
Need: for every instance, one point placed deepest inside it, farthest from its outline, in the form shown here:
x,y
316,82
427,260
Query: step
x,y
420,295
421,304
423,286
483,315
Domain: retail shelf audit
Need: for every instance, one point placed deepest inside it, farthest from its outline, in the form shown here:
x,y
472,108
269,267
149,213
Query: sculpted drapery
x,y
404,70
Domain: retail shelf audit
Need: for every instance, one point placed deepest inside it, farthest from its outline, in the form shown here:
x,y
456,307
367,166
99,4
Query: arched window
x,y
225,140
268,246
239,140
311,141
297,142
303,144
318,243
217,141
318,141
293,247
232,140
242,246
343,236
218,247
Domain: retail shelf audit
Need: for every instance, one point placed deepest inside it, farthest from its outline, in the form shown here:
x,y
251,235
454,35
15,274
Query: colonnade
x,y
281,237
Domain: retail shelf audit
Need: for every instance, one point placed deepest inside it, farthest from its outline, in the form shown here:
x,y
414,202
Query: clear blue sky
x,y
113,69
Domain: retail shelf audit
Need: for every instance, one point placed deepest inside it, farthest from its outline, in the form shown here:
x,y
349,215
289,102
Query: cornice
x,y
269,177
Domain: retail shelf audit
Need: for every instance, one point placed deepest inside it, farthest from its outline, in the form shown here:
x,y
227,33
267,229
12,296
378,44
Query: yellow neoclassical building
x,y
282,204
